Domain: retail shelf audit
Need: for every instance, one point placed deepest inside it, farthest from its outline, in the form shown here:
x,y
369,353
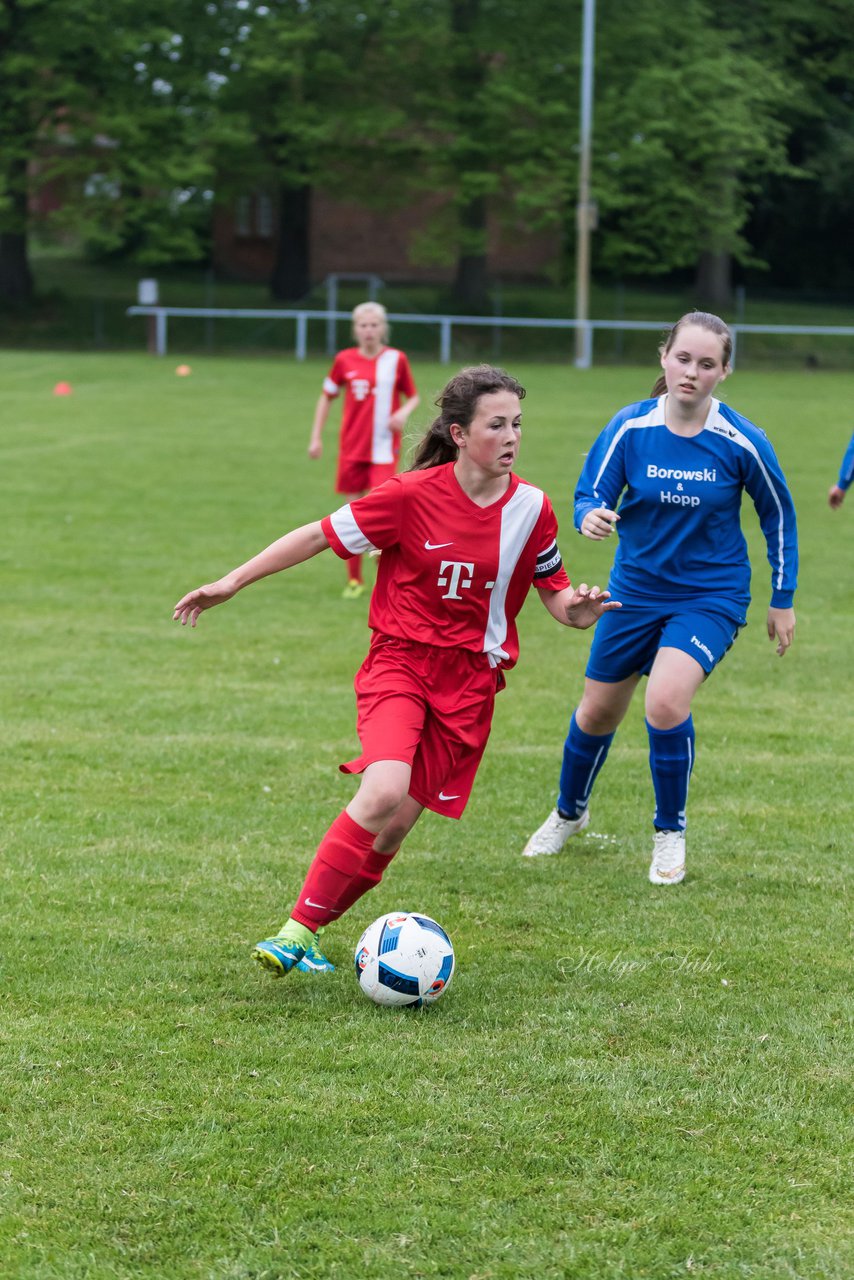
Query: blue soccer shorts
x,y
626,641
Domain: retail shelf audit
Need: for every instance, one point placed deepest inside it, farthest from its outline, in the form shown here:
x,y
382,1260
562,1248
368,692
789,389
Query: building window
x,y
253,216
264,217
242,219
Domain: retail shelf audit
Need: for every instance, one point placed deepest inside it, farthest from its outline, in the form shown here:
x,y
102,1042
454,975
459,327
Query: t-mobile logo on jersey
x,y
451,576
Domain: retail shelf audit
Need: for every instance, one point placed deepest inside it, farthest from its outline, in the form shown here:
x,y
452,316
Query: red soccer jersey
x,y
373,389
452,573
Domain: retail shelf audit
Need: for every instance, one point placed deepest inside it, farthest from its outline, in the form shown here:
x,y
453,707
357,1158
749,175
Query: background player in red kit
x,y
463,539
379,396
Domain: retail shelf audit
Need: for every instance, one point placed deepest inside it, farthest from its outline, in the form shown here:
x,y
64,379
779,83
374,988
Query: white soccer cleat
x,y
668,858
554,833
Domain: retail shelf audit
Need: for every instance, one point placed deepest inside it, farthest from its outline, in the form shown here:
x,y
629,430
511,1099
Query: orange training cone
x,y
183,371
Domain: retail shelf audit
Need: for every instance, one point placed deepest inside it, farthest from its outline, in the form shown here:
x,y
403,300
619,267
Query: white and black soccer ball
x,y
404,959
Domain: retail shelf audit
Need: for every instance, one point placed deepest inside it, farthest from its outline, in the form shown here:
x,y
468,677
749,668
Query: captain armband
x,y
548,562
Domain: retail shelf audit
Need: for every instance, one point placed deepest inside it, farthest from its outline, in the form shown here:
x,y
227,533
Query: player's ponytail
x,y
703,320
457,404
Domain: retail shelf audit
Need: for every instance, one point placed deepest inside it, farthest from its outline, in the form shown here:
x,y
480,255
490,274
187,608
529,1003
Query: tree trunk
x,y
16,280
471,283
291,278
714,279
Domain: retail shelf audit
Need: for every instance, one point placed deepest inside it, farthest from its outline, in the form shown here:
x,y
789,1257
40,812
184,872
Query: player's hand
x,y
315,448
781,626
599,524
397,421
836,496
195,602
587,604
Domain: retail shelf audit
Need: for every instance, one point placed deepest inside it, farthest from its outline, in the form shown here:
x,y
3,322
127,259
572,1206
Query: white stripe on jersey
x,y
517,524
724,428
386,376
654,418
331,388
348,531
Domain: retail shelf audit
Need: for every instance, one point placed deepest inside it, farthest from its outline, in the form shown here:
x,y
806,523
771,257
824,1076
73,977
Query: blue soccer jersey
x,y
846,471
679,531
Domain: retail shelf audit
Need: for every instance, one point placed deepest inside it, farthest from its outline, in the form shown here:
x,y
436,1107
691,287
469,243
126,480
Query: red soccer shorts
x,y
361,477
431,708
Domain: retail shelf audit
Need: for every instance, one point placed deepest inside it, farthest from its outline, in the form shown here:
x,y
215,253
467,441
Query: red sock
x,y
354,569
367,877
339,857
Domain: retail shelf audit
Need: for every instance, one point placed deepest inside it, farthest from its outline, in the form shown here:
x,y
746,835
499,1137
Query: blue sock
x,y
671,759
583,757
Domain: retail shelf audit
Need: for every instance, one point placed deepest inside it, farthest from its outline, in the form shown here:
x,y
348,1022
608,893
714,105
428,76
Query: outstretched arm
x,y
579,607
296,546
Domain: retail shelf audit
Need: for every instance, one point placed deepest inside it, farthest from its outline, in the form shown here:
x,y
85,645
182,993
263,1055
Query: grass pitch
x,y
622,1082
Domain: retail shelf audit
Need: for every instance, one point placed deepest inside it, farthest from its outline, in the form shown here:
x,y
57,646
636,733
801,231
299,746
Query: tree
x,y
106,103
314,98
685,138
803,224
497,122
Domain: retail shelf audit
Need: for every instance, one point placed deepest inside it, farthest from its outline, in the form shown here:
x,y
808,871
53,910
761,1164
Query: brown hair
x,y
704,320
458,404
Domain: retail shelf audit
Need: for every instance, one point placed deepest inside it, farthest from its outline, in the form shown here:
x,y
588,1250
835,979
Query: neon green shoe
x,y
353,590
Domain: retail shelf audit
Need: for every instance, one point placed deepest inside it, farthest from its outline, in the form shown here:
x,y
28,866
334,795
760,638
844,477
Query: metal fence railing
x,y
159,326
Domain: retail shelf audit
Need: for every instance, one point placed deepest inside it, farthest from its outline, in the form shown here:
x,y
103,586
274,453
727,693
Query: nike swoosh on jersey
x,y
434,546
442,796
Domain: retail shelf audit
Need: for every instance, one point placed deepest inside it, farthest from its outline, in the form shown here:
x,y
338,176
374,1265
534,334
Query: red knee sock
x,y
340,856
367,877
354,568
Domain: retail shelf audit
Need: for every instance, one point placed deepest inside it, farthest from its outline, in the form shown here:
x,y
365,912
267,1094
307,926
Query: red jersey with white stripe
x,y
373,386
452,573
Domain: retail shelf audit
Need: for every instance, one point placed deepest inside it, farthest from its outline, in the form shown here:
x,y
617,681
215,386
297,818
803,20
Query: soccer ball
x,y
404,959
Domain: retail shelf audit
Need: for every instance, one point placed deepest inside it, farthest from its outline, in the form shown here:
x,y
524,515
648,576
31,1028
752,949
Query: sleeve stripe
x,y
331,388
349,533
741,440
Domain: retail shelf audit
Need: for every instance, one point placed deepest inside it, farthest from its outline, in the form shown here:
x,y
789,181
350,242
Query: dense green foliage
x,y
621,1082
722,135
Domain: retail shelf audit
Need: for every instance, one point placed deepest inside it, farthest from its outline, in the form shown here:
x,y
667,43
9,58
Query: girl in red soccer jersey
x,y
374,377
463,539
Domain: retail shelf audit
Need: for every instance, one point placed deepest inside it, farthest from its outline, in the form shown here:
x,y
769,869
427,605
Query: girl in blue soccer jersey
x,y
681,461
837,493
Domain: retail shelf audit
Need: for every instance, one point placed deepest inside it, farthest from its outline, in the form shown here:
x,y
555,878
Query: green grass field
x,y
621,1083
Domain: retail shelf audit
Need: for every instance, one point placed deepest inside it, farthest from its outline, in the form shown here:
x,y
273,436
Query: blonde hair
x,y
703,320
377,307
